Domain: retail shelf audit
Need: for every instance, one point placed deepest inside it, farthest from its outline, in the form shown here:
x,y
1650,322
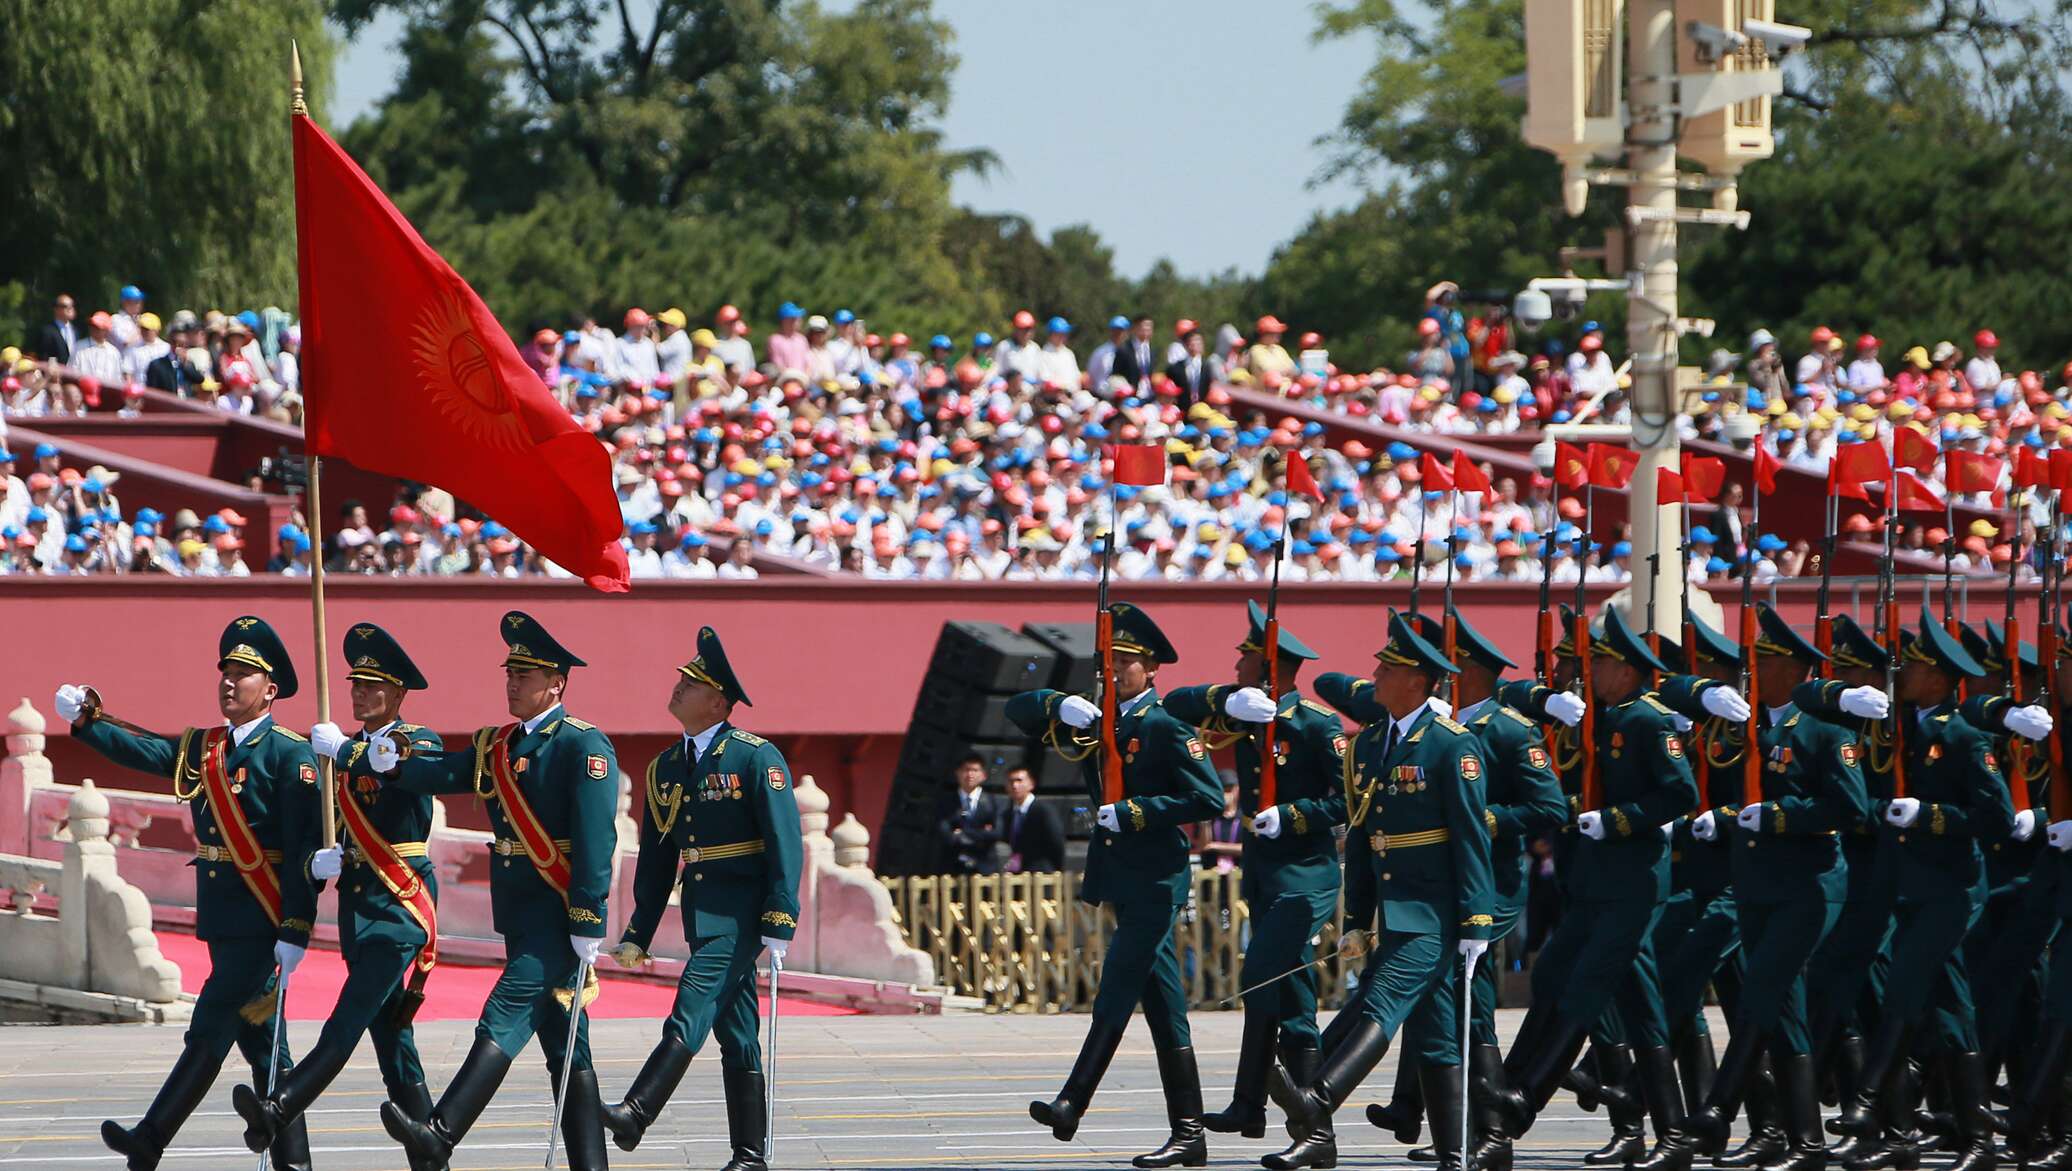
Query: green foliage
x,y
148,142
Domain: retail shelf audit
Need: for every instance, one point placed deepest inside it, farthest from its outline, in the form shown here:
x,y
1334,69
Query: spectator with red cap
x,y
1431,363
1866,373
1590,371
1019,349
1983,371
636,360
732,346
1267,361
1177,348
97,356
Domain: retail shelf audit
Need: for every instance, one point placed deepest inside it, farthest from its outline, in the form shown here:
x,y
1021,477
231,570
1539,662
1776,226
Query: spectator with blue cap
x,y
691,559
787,349
1100,365
1057,365
642,558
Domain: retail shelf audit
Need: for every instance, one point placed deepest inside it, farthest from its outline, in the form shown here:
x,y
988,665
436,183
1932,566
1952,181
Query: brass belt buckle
x,y
693,854
1380,842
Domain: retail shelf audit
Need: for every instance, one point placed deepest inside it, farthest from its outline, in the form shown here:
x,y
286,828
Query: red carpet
x,y
454,993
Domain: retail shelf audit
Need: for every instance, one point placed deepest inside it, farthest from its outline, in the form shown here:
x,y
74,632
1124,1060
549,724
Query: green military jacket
x,y
1952,771
366,908
1168,783
724,827
1522,792
1309,750
1813,791
568,774
274,777
1417,837
1646,781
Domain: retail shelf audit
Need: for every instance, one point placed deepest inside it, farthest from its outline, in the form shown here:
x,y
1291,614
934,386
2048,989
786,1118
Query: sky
x,y
1182,129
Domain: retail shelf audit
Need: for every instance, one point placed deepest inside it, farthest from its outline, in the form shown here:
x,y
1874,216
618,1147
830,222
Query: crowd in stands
x,y
828,443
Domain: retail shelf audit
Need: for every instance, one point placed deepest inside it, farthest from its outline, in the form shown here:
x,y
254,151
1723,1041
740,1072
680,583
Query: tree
x,y
151,146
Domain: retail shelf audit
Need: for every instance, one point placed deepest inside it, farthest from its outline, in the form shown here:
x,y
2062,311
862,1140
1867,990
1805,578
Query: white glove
x,y
2030,723
1472,949
1866,702
1268,823
326,739
1566,706
1591,825
1903,811
1250,705
777,948
2025,825
1107,818
1077,711
287,955
1725,702
70,701
327,863
1439,706
382,756
1750,818
1681,722
1704,827
2059,835
1668,831
586,947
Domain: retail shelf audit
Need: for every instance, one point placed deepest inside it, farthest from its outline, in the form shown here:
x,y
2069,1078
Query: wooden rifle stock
x,y
1587,730
1751,748
1269,763
2017,751
1899,753
1111,757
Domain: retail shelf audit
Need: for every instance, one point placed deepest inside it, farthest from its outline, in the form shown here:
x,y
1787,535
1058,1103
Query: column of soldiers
x,y
718,823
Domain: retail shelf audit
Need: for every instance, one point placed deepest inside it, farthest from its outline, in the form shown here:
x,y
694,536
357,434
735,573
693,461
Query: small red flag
x,y
2061,469
1914,496
447,400
1703,476
1969,471
1911,449
1848,490
1467,476
1861,463
1669,486
1571,465
1300,482
2030,469
1437,476
1139,464
1766,466
1612,467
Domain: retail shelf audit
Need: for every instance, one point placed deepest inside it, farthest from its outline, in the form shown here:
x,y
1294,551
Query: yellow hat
x,y
776,462
1431,394
747,466
701,336
672,316
1506,394
1863,412
1984,528
1899,411
1790,421
1234,556
1828,414
941,467
1916,357
24,365
2056,409
1208,531
9,356
1774,407
148,320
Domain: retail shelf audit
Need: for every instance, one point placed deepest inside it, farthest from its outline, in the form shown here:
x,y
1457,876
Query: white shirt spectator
x,y
637,359
643,563
674,354
100,360
1026,357
1591,374
1982,372
1059,366
139,357
1866,374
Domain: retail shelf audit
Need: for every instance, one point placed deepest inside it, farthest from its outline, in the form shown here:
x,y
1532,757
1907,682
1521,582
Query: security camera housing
x,y
1532,309
1779,40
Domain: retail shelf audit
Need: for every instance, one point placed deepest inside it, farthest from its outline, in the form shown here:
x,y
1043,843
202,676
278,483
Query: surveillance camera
x,y
1532,309
1779,40
1715,43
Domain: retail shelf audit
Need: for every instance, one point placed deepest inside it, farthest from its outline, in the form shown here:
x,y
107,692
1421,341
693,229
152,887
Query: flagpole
x,y
1949,549
314,465
1269,761
1446,599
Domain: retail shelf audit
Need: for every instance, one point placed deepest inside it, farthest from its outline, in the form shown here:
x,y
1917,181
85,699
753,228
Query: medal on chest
x,y
1406,778
237,783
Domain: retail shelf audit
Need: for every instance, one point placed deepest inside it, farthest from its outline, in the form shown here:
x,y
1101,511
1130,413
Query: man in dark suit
x,y
1192,374
1134,362
1035,837
970,822
61,333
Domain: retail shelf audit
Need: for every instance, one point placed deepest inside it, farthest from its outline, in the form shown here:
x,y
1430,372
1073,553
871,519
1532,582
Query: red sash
x,y
245,851
546,857
402,882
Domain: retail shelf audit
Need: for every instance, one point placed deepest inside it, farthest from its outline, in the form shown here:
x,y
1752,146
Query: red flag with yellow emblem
x,y
406,372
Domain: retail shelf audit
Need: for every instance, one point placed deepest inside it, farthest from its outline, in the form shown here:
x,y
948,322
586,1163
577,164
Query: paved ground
x,y
868,1092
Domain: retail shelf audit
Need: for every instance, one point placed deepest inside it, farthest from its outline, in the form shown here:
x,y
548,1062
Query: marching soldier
x,y
1290,858
1789,883
1414,781
1619,879
251,788
1524,801
1138,863
387,902
2040,1116
721,824
1955,796
551,784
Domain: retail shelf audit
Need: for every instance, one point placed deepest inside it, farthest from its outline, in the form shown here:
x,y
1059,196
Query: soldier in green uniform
x,y
721,825
1619,879
2040,1114
551,784
1290,858
1138,863
1524,801
1955,796
386,901
251,786
1418,852
1789,882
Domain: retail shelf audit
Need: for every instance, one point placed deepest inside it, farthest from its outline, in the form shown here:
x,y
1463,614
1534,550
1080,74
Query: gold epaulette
x,y
1450,724
1650,700
297,737
746,737
1515,714
409,727
580,725
1319,708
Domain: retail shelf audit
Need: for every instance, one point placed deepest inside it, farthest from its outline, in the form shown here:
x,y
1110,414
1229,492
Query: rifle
x,y
1543,648
1823,626
1751,759
2017,754
1269,770
2047,658
1888,589
1451,633
1104,638
1654,638
1586,732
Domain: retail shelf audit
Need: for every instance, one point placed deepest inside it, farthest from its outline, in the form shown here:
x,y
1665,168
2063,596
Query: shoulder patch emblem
x,y
598,766
1195,749
309,774
297,737
1338,744
776,776
1470,769
584,725
1849,753
1537,755
1992,765
1674,744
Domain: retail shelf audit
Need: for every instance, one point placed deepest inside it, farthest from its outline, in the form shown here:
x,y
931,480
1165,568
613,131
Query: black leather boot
x,y
1536,1074
1664,1094
1766,1138
1341,1072
1847,1070
267,1117
1798,1101
1297,1067
658,1078
2035,1097
1492,1151
582,1123
1966,1082
748,1119
1404,1114
1615,1084
467,1095
1442,1095
1710,1123
416,1102
1628,1117
1697,1064
1061,1114
1884,1060
1186,1146
1583,1080
1894,1144
188,1083
2056,1149
1246,1114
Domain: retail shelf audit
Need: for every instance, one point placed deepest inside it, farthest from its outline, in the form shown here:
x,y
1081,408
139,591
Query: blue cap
x,y
215,524
75,544
1592,327
93,485
643,527
150,515
37,516
1700,535
1302,548
765,527
1387,555
1118,322
1058,325
981,340
449,529
1622,549
130,293
146,529
6,456
1561,416
941,341
1400,451
1200,551
1717,565
283,532
250,321
844,317
788,310
693,540
572,338
493,530
46,450
1771,543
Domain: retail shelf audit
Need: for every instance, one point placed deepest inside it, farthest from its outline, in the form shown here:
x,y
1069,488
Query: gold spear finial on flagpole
x,y
296,105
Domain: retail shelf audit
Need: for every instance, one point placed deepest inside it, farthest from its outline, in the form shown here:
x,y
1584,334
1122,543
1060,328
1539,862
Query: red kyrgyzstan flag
x,y
1139,464
1669,486
1467,476
1911,449
1300,482
2030,469
1914,496
1612,467
1860,463
1766,467
1437,476
1969,471
2061,469
406,372
1571,465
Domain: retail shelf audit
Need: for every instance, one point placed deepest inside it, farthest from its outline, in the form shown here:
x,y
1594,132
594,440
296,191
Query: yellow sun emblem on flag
x,y
460,378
